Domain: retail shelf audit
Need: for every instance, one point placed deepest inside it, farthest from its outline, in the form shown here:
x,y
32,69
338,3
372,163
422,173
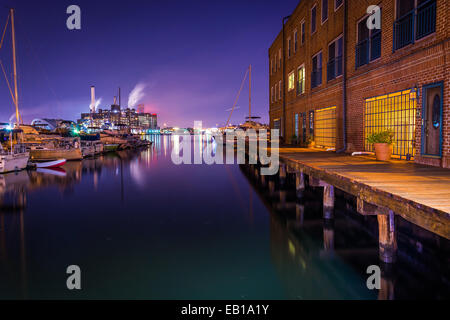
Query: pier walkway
x,y
418,193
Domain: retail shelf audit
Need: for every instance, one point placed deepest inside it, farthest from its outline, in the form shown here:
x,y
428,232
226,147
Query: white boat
x,y
14,161
16,158
51,164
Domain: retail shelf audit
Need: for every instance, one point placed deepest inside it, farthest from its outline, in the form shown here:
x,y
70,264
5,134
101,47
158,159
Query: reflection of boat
x,y
51,164
60,172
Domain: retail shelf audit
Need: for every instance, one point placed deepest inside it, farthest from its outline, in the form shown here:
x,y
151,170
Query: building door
x,y
304,127
325,127
432,120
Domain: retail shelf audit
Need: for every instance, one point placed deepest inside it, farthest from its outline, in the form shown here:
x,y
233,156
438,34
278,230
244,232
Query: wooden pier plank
x,y
419,193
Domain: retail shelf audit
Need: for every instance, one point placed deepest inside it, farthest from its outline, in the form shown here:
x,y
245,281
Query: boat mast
x,y
250,94
16,94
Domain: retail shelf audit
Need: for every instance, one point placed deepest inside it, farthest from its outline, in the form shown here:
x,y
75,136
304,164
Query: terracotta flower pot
x,y
383,151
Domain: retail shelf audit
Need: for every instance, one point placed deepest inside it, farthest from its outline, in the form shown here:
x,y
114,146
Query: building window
x,y
313,19
334,66
279,90
295,41
397,112
303,32
289,47
271,66
324,11
316,74
337,4
291,83
279,59
311,123
301,80
415,20
275,95
296,125
368,47
271,95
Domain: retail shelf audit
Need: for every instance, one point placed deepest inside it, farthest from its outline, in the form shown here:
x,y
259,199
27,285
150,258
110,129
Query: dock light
x,y
9,127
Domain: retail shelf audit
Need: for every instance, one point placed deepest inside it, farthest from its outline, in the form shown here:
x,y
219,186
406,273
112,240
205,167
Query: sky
x,y
184,59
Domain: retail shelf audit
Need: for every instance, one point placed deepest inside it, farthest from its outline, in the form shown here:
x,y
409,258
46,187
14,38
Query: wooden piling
x,y
387,237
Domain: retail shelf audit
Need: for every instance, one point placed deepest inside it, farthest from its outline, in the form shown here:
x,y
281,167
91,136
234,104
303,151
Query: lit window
x,y
291,84
301,80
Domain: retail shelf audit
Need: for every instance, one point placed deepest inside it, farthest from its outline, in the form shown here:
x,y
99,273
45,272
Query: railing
x,y
316,78
426,19
404,30
334,68
362,53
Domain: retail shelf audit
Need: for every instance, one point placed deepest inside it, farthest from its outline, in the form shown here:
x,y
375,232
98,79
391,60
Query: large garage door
x,y
325,127
396,112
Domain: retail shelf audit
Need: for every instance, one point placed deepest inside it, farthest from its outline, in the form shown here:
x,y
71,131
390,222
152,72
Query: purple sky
x,y
191,57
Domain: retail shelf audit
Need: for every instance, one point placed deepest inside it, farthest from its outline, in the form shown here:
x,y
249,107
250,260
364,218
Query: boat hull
x,y
13,162
52,155
110,147
51,164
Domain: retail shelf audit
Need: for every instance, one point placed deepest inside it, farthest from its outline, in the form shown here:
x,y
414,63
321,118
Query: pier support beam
x,y
328,236
387,237
300,184
299,213
271,187
282,174
328,201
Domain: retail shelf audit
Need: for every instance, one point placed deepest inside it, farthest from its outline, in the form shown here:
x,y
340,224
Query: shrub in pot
x,y
382,142
294,139
310,142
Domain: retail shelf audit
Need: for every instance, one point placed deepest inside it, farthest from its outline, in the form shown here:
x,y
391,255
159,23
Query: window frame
x,y
338,7
335,41
321,12
289,47
292,73
315,24
302,32
320,52
302,66
295,41
279,90
364,17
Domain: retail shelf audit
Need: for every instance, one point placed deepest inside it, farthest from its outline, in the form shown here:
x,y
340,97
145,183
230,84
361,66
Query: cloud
x,y
136,95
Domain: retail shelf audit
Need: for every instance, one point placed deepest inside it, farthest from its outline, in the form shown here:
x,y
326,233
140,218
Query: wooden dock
x,y
420,194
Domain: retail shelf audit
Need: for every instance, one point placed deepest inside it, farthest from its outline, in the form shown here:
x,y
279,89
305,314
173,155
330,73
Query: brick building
x,y
392,76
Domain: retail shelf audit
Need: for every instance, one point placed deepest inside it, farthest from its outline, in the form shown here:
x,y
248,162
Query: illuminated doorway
x,y
396,112
325,127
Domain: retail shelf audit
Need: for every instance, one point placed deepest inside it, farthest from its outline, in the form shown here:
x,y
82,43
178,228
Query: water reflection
x,y
328,259
141,227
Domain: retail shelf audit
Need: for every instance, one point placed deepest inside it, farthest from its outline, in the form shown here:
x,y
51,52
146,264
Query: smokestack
x,y
92,99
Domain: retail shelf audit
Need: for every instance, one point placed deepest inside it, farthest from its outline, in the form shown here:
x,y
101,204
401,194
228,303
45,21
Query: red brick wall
x,y
416,65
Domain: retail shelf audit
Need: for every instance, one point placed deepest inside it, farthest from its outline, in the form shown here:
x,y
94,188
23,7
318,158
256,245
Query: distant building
x,y
117,117
51,124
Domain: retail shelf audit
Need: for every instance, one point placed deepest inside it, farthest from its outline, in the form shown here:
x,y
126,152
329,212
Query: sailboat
x,y
16,158
250,122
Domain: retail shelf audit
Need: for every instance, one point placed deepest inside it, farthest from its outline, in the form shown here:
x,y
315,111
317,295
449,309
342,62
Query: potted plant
x,y
310,142
294,139
382,142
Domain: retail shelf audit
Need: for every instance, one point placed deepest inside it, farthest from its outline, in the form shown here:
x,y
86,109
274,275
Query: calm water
x,y
142,228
